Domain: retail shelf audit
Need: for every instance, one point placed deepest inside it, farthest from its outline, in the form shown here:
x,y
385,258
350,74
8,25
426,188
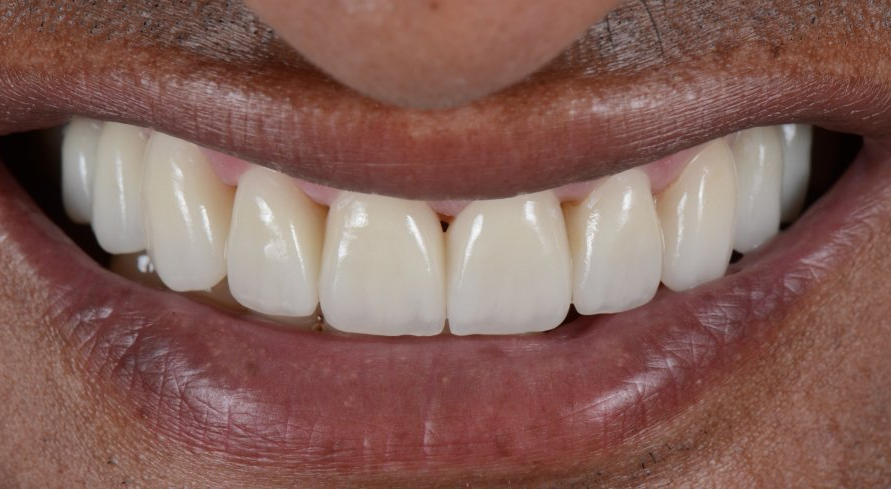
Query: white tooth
x,y
382,267
509,266
275,245
117,189
796,168
697,213
758,153
616,245
187,213
78,164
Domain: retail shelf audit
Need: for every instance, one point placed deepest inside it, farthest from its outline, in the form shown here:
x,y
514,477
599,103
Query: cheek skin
x,y
432,53
813,413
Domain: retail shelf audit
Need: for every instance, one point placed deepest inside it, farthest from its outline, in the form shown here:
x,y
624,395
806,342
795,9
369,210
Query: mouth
x,y
350,405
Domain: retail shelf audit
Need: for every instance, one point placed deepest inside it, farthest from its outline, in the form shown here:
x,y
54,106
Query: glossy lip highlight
x,y
354,406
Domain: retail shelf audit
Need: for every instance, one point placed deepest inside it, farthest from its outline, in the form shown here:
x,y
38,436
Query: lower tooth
x,y
187,212
313,322
78,163
137,267
117,193
697,212
796,168
758,154
275,245
219,296
509,266
616,245
382,267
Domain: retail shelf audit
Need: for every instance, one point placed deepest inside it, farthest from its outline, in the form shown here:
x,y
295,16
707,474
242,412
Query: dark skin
x,y
812,411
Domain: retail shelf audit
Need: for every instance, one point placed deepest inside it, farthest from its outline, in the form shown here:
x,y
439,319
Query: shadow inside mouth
x,y
34,159
831,154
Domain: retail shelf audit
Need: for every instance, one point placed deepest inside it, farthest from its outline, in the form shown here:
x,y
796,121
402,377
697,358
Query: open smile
x,y
468,404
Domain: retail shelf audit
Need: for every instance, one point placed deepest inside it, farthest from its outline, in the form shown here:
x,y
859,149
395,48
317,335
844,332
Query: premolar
x,y
616,245
78,165
382,267
117,192
275,245
509,266
187,214
697,212
758,154
796,168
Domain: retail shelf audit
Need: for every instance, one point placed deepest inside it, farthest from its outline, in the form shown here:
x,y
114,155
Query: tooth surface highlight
x,y
382,267
697,213
509,266
797,139
117,191
758,154
616,245
275,245
187,213
78,163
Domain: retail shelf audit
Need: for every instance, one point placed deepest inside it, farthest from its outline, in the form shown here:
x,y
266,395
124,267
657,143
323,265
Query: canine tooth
x,y
616,245
509,266
758,153
275,245
382,267
117,191
78,164
797,140
187,213
697,213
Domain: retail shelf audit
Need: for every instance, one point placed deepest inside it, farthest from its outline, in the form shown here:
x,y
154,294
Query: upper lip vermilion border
x,y
354,406
498,147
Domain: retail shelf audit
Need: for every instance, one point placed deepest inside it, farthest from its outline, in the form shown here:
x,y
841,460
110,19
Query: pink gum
x,y
661,173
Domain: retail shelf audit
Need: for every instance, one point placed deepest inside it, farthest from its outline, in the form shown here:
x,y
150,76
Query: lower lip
x,y
337,405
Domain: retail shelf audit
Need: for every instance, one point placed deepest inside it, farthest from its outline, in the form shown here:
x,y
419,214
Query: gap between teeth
x,y
379,265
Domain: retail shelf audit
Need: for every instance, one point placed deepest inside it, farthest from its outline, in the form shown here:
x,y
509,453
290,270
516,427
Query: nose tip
x,y
430,53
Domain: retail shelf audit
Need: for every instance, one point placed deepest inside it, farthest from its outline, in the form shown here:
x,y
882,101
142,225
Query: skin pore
x,y
812,411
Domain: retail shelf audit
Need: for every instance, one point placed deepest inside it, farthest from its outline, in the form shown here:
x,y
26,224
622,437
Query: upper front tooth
x,y
117,191
509,266
382,267
187,213
78,163
275,245
796,168
758,154
697,213
616,245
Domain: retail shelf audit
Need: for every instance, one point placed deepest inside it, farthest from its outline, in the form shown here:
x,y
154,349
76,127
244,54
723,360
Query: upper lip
x,y
550,130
